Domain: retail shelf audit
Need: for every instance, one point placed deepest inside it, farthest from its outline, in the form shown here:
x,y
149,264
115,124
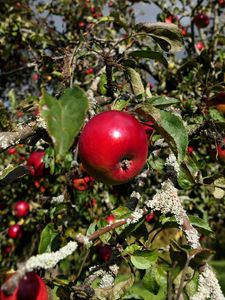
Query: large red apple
x,y
36,164
31,287
113,147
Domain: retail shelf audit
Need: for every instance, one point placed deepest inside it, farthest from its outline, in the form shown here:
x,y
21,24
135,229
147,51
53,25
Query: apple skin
x,y
200,45
36,164
31,287
221,3
21,208
201,20
15,231
218,101
221,152
104,252
113,147
82,184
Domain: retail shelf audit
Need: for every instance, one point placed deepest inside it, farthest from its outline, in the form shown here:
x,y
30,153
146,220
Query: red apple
x,y
218,100
104,252
21,208
11,151
200,45
36,164
150,217
31,287
171,19
221,3
89,71
110,219
82,184
113,147
201,20
15,231
221,151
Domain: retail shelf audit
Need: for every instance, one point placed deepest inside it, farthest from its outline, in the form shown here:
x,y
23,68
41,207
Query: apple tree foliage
x,y
62,62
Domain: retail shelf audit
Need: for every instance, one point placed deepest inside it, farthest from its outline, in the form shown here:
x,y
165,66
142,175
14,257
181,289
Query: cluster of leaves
x,y
79,56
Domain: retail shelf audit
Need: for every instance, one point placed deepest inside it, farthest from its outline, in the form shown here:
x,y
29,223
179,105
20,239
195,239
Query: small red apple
x,y
82,184
218,100
200,45
15,231
81,24
171,19
221,151
113,147
110,219
104,252
31,287
190,149
36,164
11,151
221,3
21,208
201,20
150,217
89,71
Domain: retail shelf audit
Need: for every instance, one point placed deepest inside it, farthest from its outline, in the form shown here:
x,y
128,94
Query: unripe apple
x,y
15,231
201,20
36,164
200,45
31,287
21,208
113,147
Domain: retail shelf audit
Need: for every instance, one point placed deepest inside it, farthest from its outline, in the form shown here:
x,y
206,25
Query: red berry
x,y
11,151
31,287
110,219
190,149
21,208
92,10
93,202
15,231
221,151
36,164
171,19
221,3
113,147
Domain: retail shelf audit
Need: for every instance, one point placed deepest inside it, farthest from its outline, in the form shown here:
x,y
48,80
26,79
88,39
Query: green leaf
x,y
135,81
151,55
144,259
155,280
48,239
131,249
6,171
200,224
200,256
192,286
168,36
121,212
115,292
138,292
162,101
188,173
170,126
64,117
217,188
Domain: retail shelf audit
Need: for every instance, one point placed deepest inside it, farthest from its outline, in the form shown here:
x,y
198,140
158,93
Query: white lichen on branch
x,y
50,260
208,286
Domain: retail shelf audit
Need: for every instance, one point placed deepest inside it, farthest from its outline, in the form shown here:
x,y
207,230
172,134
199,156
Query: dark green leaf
x,y
64,117
48,238
200,223
144,259
168,36
151,55
162,101
170,126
